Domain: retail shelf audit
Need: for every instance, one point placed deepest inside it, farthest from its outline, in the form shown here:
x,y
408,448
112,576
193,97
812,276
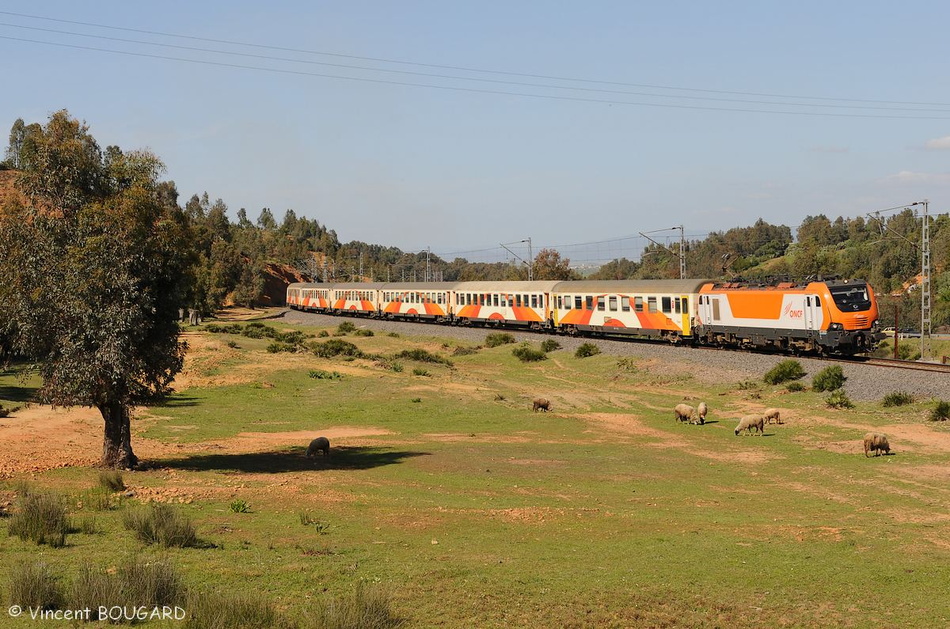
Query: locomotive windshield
x,y
851,298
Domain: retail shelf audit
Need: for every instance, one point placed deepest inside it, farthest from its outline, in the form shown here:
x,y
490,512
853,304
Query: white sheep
x,y
772,415
702,409
876,442
683,412
751,421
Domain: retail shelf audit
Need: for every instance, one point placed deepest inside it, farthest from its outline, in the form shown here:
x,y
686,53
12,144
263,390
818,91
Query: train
x,y
833,317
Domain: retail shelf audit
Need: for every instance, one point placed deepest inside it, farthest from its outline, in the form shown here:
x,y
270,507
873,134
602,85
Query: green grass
x,y
474,511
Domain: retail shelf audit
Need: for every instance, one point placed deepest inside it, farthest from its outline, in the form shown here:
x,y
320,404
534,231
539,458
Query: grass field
x,y
473,511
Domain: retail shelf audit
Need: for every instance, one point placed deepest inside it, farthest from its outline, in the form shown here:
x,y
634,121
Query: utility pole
x,y
428,251
681,252
925,325
530,262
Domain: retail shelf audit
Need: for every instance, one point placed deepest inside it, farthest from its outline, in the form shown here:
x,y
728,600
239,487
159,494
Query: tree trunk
x,y
117,438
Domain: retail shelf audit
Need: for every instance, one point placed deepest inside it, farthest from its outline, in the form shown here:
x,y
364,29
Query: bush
x,y
586,350
549,345
627,364
940,412
323,334
161,524
229,610
747,385
278,347
898,398
41,518
794,386
320,374
33,585
137,583
3,412
499,338
527,354
111,480
784,371
907,351
364,332
239,506
828,379
423,356
368,607
336,347
97,499
838,399
416,400
464,351
347,327
419,371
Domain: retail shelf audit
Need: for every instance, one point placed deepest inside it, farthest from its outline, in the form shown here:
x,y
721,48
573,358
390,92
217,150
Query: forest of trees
x,y
229,258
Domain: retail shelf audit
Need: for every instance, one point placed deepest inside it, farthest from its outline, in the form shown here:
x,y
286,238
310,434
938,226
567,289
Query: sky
x,y
461,126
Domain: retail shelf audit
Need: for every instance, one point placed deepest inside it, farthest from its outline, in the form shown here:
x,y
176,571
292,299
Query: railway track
x,y
907,364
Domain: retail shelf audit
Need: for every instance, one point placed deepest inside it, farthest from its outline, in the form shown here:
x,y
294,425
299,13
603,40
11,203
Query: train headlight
x,y
876,322
836,326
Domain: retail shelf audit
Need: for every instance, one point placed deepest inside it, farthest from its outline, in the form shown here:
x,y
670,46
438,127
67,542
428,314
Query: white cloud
x,y
939,143
908,177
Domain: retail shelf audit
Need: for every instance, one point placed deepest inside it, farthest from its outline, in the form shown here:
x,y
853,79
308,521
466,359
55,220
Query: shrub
x,y
498,338
33,585
416,400
747,385
233,345
137,583
161,524
320,374
41,518
464,351
111,480
394,335
369,606
97,499
423,356
347,327
230,610
239,506
323,334
419,371
940,412
794,386
907,351
828,379
586,350
231,328
549,345
527,354
336,347
3,412
838,399
364,332
627,364
278,347
784,371
898,398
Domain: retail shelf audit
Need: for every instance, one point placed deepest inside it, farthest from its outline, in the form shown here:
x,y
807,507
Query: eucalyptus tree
x,y
92,274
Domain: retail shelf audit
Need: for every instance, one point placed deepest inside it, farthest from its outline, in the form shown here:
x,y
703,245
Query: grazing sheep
x,y
321,444
749,422
541,404
772,415
683,412
876,442
702,409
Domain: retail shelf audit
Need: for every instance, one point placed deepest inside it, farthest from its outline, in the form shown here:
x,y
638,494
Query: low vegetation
x,y
41,517
161,524
828,379
586,350
940,412
499,338
898,398
839,399
527,354
784,371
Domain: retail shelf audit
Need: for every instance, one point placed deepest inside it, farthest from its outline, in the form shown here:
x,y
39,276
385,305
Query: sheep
x,y
683,412
876,442
702,409
542,404
751,421
321,444
772,415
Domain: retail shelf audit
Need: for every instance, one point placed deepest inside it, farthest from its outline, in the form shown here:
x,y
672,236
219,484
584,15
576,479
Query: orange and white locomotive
x,y
835,317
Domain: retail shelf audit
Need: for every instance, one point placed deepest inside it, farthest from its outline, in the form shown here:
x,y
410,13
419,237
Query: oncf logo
x,y
794,314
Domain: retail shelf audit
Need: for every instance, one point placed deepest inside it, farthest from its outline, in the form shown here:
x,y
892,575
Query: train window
x,y
667,304
613,304
638,304
651,304
817,301
494,300
625,304
685,305
534,301
517,301
600,303
715,304
577,302
588,303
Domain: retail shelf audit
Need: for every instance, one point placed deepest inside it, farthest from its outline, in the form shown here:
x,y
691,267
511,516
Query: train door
x,y
812,312
684,311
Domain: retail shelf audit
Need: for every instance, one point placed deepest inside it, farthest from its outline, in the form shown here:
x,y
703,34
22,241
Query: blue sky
x,y
466,165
